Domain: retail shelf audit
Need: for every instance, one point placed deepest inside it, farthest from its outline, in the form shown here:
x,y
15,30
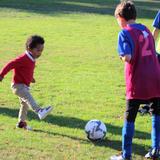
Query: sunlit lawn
x,y
79,74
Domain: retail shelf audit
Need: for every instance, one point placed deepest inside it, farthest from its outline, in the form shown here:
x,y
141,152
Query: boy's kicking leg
x,y
22,91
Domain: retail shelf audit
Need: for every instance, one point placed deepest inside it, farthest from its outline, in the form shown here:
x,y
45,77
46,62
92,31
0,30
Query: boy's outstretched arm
x,y
9,66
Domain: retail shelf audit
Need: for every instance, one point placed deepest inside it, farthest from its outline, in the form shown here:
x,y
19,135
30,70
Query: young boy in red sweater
x,y
23,70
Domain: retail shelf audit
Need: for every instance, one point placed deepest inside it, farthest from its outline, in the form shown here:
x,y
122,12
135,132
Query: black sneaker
x,y
153,154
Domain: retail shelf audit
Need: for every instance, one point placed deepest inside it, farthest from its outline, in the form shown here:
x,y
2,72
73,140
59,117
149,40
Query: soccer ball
x,y
95,130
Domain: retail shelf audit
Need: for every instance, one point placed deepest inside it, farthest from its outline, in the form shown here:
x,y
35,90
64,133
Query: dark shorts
x,y
132,106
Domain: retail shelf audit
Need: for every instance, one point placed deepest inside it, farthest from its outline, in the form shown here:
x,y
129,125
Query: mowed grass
x,y
79,74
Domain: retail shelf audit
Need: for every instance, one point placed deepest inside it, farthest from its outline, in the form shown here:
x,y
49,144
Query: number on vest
x,y
144,38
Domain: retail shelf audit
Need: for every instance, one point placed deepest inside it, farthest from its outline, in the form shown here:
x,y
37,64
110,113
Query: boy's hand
x,y
126,58
144,110
33,80
1,78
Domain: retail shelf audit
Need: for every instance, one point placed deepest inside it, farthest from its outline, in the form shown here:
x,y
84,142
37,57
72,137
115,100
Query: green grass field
x,y
79,74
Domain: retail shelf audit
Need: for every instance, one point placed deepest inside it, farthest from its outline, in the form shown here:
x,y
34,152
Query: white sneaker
x,y
43,112
119,157
116,157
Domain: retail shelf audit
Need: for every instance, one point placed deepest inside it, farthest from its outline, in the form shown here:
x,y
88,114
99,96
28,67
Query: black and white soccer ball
x,y
95,130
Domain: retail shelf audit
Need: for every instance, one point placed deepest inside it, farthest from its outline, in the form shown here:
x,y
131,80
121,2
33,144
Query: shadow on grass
x,y
62,135
115,144
146,9
72,122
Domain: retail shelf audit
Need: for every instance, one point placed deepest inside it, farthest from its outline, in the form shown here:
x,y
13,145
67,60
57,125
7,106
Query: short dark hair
x,y
33,41
126,10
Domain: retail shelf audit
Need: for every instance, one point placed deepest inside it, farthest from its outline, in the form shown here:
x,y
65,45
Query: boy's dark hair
x,y
126,10
33,41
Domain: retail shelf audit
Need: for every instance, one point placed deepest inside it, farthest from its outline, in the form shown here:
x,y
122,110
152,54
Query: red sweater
x,y
23,69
